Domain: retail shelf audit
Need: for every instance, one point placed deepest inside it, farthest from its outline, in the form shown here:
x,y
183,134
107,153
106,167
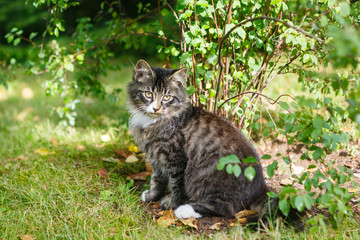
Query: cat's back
x,y
207,133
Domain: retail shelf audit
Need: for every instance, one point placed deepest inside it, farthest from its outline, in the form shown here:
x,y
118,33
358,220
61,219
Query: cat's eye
x,y
166,97
148,94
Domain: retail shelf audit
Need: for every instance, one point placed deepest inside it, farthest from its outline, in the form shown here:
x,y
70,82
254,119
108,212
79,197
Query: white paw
x,y
186,211
143,198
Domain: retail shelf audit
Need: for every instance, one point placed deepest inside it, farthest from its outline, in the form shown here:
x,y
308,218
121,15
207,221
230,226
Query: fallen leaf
x,y
133,148
54,142
245,213
148,167
131,159
21,157
168,219
286,181
139,176
81,148
121,153
103,173
357,175
352,190
242,221
215,226
110,159
191,222
105,138
297,170
155,205
234,223
26,237
42,151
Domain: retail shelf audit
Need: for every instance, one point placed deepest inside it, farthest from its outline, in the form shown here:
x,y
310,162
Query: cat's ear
x,y
180,75
142,71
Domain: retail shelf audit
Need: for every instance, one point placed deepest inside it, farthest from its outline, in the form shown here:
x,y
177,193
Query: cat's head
x,y
158,92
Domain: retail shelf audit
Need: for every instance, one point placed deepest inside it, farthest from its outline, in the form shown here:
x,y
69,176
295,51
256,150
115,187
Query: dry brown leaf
x,y
234,223
121,153
138,176
191,222
148,167
155,205
215,226
245,213
103,173
297,170
286,181
26,237
168,219
54,142
242,221
131,159
109,159
21,157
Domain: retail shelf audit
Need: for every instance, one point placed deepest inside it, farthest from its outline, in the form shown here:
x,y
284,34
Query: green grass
x,y
60,196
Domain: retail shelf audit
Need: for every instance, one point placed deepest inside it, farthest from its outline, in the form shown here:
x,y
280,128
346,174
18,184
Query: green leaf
x,y
220,166
232,158
237,170
69,66
284,206
318,153
250,159
186,57
250,173
56,32
271,168
212,59
266,156
299,203
9,37
318,122
272,194
307,185
344,9
190,90
17,41
32,35
315,133
229,168
284,105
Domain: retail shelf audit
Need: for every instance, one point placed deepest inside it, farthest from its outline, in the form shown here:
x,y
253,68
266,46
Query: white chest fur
x,y
141,120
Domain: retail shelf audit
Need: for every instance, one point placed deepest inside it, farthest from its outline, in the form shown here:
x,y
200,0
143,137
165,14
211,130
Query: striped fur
x,y
184,144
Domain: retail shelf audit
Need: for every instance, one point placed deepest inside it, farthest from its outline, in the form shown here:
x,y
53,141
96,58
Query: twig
x,y
221,64
258,93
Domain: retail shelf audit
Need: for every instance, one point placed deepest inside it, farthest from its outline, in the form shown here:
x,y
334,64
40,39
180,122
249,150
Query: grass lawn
x,y
49,186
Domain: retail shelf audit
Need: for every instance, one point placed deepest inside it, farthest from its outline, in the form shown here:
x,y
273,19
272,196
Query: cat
x,y
184,143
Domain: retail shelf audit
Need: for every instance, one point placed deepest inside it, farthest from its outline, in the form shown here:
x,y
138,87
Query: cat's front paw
x,y
145,196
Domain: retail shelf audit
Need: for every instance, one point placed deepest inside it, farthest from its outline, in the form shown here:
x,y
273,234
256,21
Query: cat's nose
x,y
156,109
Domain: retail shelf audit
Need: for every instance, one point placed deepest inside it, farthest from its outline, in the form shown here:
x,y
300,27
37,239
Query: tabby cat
x,y
184,143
